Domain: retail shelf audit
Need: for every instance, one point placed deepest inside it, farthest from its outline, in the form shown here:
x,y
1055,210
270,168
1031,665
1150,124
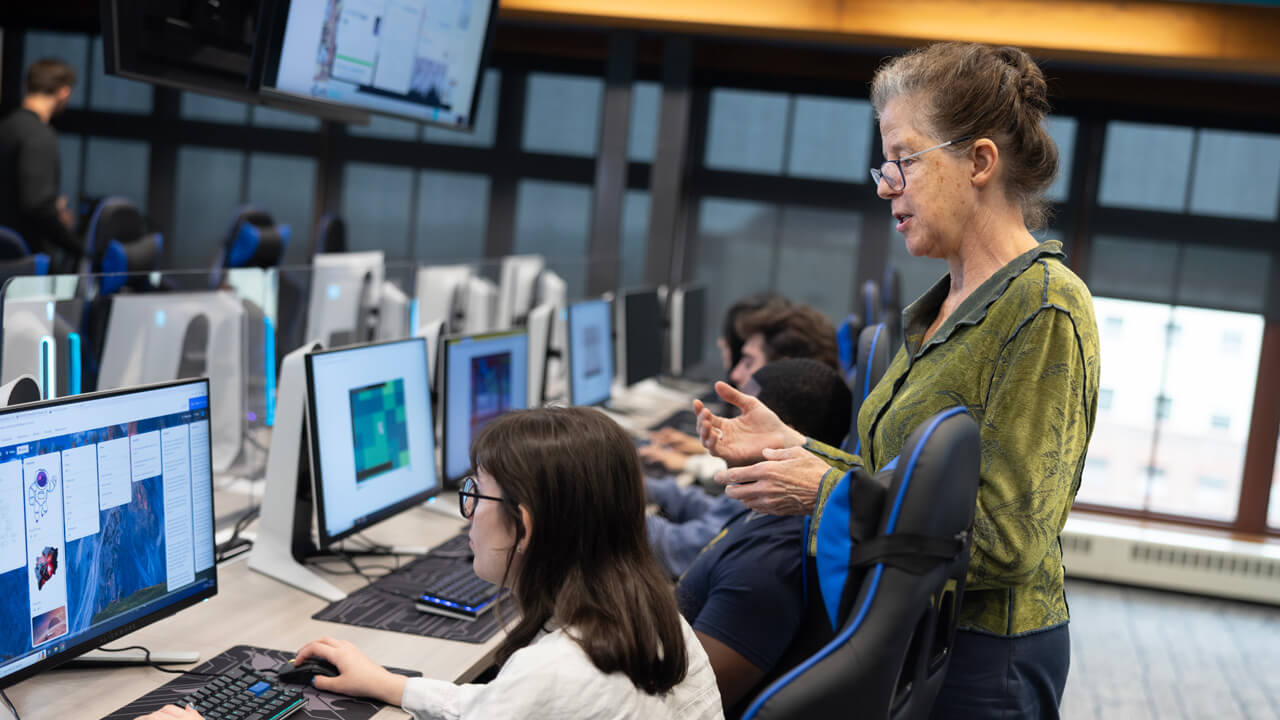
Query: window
x,y
453,217
816,258
375,204
735,239
1237,175
830,139
1105,396
634,243
642,130
1199,385
1063,131
1273,515
746,131
207,195
553,219
562,114
1145,166
117,167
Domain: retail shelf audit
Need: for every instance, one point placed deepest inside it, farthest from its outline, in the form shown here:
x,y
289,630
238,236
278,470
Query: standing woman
x,y
1009,334
557,515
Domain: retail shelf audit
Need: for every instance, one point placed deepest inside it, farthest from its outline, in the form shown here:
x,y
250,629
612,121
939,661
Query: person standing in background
x,y
29,168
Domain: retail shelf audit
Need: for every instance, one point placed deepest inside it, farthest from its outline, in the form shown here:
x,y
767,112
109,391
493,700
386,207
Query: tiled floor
x,y
1139,654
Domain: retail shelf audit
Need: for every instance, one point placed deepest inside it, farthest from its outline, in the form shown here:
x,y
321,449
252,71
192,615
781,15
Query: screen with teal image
x,y
378,428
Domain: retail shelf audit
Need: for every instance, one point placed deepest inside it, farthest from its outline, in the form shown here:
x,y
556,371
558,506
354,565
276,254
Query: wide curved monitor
x,y
106,519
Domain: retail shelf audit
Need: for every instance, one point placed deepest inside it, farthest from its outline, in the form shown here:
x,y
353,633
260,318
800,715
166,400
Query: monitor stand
x,y
284,528
95,658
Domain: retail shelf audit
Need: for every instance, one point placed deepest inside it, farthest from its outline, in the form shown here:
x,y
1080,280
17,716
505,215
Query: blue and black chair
x,y
331,234
254,240
847,344
889,575
121,252
872,359
17,259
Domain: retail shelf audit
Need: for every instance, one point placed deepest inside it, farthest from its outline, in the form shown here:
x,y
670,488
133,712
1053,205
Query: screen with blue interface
x,y
590,352
106,516
372,439
415,58
485,376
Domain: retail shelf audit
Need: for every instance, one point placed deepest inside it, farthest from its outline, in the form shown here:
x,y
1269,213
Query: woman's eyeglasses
x,y
469,495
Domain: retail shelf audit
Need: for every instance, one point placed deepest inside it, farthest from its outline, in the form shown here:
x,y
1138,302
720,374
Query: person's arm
x,y
735,675
38,192
677,544
753,608
1035,432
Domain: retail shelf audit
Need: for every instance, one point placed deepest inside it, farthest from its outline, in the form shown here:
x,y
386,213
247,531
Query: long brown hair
x,y
587,565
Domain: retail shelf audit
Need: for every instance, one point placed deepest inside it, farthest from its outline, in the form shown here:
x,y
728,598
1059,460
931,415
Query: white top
x,y
552,677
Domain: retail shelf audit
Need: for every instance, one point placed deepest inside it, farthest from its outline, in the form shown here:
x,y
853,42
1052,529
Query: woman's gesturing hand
x,y
742,440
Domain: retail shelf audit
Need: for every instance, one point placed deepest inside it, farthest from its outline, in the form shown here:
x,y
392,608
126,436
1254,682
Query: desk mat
x,y
320,705
388,602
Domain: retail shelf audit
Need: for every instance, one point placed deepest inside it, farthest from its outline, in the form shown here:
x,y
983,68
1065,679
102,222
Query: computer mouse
x,y
301,673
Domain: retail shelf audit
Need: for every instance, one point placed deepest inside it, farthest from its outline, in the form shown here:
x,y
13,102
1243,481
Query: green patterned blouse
x,y
1021,353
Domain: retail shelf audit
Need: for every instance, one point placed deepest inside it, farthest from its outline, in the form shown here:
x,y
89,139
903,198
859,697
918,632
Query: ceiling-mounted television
x,y
417,59
206,47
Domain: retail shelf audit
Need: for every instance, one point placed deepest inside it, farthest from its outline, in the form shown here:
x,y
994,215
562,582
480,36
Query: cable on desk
x,y
342,555
9,702
155,665
224,551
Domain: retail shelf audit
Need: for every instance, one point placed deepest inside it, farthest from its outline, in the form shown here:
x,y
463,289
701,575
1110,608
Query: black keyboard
x,y
244,693
683,420
458,593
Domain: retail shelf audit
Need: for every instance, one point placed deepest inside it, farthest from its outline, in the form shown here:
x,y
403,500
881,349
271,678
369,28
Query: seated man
x,y
743,594
774,330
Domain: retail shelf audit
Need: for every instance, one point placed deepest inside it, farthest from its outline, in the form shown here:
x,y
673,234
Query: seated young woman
x,y
557,510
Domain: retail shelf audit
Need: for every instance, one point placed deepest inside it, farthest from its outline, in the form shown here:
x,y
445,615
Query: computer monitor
x,y
415,59
209,48
484,377
106,519
517,288
590,352
479,306
393,313
346,289
155,337
540,326
372,442
441,291
639,322
688,310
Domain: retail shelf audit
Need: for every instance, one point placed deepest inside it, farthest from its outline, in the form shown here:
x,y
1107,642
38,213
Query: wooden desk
x,y
254,609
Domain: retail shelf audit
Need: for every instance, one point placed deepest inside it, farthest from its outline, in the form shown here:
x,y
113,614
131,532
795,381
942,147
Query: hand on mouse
x,y
358,675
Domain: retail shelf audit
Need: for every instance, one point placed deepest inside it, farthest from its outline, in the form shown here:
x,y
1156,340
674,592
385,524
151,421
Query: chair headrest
x,y
255,240
847,342
125,264
331,234
116,218
12,246
870,302
931,490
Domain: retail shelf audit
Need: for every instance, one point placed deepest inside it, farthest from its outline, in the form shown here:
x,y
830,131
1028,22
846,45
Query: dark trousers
x,y
997,677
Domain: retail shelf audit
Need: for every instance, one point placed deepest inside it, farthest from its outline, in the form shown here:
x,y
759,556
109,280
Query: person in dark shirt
x,y
744,593
29,172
